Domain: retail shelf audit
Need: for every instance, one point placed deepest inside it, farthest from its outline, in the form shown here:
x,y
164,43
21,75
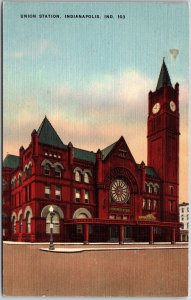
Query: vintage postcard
x,y
95,149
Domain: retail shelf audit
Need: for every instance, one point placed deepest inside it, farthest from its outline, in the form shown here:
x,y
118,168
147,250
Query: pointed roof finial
x,y
164,77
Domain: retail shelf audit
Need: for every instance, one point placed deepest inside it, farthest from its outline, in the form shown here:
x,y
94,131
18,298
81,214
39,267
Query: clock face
x,y
120,191
156,108
172,106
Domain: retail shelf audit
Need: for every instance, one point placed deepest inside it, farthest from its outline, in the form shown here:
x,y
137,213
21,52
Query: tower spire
x,y
164,77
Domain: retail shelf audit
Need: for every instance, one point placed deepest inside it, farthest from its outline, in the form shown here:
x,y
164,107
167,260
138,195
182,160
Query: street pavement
x,y
138,270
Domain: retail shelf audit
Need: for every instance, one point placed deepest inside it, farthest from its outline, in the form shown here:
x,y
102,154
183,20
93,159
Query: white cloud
x,y
36,49
95,115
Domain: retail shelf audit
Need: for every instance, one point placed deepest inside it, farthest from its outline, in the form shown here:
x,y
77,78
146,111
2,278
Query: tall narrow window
x,y
19,179
149,204
150,189
58,172
14,224
29,170
144,203
171,190
28,222
86,178
86,197
171,206
77,195
156,190
47,170
47,191
146,188
20,223
77,176
154,205
58,192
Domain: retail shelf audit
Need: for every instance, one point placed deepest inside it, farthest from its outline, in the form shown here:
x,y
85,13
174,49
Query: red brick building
x,y
102,196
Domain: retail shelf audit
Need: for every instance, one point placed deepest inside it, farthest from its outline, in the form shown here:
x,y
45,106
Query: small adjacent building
x,y
98,196
184,218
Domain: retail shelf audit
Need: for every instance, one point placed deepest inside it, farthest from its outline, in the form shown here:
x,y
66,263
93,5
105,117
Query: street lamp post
x,y
51,210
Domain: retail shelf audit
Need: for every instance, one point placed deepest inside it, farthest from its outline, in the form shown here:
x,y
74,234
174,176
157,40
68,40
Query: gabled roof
x,y
11,161
84,155
48,136
164,77
149,171
107,150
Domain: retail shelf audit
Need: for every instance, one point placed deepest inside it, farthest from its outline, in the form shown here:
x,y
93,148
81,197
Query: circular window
x,y
120,191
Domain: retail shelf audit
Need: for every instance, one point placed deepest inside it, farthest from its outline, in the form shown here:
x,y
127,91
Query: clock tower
x,y
163,141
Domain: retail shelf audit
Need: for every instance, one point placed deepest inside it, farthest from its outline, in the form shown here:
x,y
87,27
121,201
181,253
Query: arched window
x,y
14,224
146,188
20,223
29,170
19,179
151,188
55,221
156,189
86,178
77,176
46,169
58,171
28,222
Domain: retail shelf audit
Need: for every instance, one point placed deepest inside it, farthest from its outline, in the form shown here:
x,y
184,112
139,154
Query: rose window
x,y
120,191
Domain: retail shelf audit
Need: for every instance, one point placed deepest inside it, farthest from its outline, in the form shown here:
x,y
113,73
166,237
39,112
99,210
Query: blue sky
x,y
91,77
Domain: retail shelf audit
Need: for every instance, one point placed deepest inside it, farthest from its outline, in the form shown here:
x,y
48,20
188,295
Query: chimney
x,y
99,166
70,153
34,136
21,151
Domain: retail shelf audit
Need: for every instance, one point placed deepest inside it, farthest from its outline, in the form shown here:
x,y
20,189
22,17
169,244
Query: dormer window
x,y
86,178
77,176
